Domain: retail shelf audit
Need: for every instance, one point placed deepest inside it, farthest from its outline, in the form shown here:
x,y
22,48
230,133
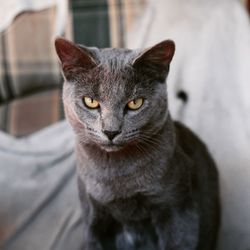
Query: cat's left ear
x,y
155,60
73,57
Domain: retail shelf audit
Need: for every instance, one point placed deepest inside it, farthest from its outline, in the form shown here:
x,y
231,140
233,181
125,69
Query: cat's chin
x,y
111,147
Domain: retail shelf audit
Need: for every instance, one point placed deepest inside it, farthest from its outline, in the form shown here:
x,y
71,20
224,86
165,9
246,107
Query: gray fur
x,y
154,186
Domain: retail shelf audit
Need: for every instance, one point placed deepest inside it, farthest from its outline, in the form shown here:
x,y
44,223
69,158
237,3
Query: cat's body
x,y
145,182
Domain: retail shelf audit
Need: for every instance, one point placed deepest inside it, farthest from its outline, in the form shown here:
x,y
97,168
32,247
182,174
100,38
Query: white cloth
x,y
9,9
39,204
212,65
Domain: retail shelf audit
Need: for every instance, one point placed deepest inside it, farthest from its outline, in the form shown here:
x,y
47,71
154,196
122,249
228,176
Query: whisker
x,y
151,140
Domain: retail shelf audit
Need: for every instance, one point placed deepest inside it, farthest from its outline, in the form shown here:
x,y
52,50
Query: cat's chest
x,y
114,192
135,208
118,181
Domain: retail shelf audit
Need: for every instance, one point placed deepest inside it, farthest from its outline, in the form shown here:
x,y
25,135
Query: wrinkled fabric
x,y
39,205
12,8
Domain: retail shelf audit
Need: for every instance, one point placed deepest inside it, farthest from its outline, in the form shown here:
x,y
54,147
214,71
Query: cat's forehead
x,y
114,78
111,53
116,57
115,72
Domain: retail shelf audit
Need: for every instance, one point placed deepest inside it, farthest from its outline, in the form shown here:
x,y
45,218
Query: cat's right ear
x,y
155,61
72,57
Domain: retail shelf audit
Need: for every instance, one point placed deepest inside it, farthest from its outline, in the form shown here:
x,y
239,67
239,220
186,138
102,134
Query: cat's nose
x,y
111,134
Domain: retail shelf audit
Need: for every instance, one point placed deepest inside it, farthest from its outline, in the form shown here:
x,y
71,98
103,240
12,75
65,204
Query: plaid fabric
x,y
91,22
104,23
27,115
248,6
28,61
122,16
30,79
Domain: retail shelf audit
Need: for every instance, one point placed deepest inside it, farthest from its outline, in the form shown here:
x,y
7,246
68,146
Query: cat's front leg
x,y
99,227
99,232
90,220
178,230
91,240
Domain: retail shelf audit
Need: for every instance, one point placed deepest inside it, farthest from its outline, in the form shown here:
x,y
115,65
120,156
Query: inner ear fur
x,y
72,56
155,61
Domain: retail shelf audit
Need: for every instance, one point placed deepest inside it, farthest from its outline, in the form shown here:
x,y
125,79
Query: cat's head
x,y
115,98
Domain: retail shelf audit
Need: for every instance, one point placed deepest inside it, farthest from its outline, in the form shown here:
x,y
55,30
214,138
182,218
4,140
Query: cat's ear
x,y
72,56
155,60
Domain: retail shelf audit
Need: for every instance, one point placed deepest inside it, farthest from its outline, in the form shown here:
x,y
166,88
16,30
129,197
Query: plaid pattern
x,y
91,22
27,115
30,79
122,16
104,23
28,61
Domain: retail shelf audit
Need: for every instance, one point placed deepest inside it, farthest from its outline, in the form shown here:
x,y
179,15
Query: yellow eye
x,y
91,103
135,104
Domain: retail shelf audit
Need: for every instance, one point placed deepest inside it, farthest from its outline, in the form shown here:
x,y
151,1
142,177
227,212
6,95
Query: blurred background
x,y
208,85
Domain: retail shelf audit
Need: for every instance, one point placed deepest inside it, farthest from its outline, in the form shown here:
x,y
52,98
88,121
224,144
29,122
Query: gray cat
x,y
145,182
